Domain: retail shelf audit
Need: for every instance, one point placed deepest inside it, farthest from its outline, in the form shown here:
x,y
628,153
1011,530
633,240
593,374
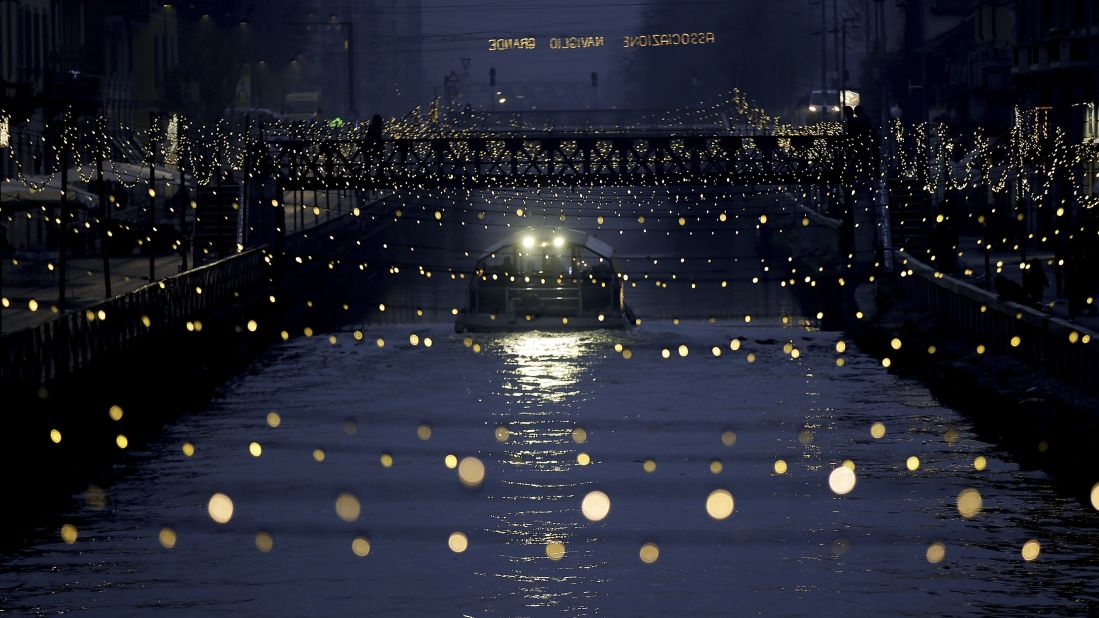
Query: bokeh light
x,y
781,467
69,533
649,553
1031,549
596,505
360,546
969,503
348,507
220,508
555,550
471,472
264,542
936,552
877,431
458,542
720,504
842,480
167,538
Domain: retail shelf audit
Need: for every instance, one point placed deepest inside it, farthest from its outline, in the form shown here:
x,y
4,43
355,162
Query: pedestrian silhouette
x,y
1035,281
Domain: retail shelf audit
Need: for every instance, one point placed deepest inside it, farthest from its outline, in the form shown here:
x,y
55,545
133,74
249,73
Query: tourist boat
x,y
557,279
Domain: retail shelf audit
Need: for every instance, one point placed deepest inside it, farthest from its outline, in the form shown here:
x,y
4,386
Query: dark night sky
x,y
756,40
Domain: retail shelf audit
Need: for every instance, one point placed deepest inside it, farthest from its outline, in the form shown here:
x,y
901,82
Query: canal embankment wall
x,y
158,352
1029,380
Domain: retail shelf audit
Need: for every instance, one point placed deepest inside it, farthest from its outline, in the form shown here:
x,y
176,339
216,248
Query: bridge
x,y
552,159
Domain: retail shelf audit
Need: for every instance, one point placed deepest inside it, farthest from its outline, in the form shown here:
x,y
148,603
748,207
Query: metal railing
x,y
1063,349
79,339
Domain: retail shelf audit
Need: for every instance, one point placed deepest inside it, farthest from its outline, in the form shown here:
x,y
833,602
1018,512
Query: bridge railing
x,y
554,159
1063,349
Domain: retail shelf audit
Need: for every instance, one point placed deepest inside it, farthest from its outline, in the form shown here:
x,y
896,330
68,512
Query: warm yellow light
x,y
471,472
255,449
273,419
842,480
55,436
936,552
877,431
1095,496
167,538
1031,549
68,533
450,461
348,507
318,455
220,508
720,504
781,467
980,463
728,437
360,547
716,466
264,542
969,503
583,459
502,433
649,466
558,242
121,441
683,351
912,463
423,432
458,542
115,413
595,505
579,435
528,242
188,449
555,550
649,553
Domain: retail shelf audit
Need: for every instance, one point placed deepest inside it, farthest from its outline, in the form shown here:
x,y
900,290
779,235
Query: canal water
x,y
338,456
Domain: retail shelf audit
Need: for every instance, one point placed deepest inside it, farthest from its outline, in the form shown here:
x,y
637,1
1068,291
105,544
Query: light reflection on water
x,y
540,380
790,548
